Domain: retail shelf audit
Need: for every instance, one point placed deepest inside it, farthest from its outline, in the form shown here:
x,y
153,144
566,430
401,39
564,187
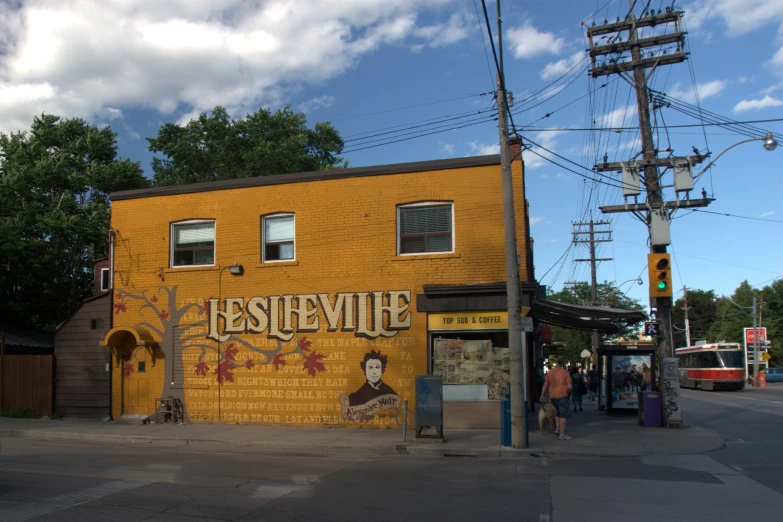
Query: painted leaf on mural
x,y
312,363
128,367
206,307
164,315
230,352
305,344
278,361
154,299
201,368
119,306
250,364
223,372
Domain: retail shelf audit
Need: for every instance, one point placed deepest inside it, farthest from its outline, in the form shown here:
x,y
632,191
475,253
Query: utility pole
x,y
516,341
755,347
603,235
654,212
687,323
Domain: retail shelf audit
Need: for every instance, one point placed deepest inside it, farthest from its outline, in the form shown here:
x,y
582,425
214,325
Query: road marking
x,y
69,500
544,461
84,475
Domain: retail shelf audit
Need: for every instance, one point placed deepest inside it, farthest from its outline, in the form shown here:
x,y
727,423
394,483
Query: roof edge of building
x,y
318,175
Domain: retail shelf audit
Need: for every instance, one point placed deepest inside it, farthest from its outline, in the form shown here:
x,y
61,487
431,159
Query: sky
x,y
411,80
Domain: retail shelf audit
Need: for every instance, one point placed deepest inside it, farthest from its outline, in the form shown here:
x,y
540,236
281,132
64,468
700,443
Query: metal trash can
x,y
650,409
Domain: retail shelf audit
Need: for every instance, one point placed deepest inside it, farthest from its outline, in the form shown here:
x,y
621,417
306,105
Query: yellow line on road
x,y
83,475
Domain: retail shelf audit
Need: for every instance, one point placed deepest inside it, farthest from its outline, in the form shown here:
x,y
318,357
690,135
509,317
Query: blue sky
x,y
377,66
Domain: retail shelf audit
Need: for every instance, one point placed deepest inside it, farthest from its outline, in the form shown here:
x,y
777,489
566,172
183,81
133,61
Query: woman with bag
x,y
579,389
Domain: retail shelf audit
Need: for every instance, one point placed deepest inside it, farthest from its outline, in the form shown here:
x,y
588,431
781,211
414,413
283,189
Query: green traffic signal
x,y
662,285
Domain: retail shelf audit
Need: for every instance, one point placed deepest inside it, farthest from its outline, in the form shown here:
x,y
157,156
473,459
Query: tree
x,y
578,340
701,314
55,183
731,318
216,147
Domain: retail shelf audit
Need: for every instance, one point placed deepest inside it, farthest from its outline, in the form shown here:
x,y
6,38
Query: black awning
x,y
599,318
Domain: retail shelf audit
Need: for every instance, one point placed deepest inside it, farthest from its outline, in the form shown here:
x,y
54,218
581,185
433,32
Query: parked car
x,y
774,374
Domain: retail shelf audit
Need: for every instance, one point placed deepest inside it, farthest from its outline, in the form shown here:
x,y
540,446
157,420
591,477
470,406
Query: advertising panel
x,y
630,374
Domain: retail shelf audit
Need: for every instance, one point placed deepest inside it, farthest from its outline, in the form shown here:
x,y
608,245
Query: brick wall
x,y
345,242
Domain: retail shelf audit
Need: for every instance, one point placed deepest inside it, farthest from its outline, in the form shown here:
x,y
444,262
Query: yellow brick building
x,y
314,298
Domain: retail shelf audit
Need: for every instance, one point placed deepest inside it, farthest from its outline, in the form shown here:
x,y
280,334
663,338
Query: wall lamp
x,y
236,269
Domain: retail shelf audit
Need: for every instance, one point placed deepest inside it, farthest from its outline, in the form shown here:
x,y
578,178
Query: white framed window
x,y
105,282
278,238
425,228
193,243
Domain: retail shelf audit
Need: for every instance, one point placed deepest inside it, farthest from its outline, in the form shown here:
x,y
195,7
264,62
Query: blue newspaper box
x,y
505,421
650,409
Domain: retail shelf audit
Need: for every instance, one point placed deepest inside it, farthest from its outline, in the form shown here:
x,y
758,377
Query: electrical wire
x,y
736,216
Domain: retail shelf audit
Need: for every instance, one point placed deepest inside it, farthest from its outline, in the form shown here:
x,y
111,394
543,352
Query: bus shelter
x,y
625,370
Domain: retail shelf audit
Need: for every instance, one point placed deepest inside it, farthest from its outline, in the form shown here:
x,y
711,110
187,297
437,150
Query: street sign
x,y
527,324
749,339
766,356
651,328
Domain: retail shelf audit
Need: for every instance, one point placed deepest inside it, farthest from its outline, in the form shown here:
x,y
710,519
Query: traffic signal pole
x,y
654,211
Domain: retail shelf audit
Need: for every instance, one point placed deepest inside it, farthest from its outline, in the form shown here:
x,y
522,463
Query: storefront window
x,y
473,362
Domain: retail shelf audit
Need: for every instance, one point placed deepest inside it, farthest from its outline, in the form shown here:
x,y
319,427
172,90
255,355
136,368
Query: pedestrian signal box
x,y
660,275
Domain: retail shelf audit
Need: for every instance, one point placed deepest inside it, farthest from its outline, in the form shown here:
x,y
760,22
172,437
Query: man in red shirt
x,y
558,382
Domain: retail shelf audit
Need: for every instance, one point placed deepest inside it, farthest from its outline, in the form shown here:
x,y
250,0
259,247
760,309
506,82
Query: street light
x,y
770,144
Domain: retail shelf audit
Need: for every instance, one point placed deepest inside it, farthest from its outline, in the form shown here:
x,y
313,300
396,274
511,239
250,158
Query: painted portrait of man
x,y
373,366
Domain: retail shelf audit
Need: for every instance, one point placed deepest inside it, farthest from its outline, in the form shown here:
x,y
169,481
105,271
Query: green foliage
x,y
19,413
54,185
216,147
701,315
577,340
56,416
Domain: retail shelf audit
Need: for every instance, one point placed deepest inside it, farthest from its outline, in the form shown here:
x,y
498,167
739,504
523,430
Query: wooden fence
x,y
27,381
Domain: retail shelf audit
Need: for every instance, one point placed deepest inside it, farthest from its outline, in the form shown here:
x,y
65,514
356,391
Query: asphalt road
x,y
751,422
89,482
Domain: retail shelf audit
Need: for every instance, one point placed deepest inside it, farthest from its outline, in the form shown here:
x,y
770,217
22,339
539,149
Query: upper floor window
x,y
424,228
193,243
104,279
278,237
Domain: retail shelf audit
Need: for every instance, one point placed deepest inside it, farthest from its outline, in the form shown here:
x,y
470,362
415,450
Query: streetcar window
x,y
710,360
731,359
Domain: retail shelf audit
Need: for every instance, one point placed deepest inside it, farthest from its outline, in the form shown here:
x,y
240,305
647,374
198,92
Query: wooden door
x,y
135,387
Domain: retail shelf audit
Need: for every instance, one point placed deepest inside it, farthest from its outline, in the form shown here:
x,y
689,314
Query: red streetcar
x,y
714,366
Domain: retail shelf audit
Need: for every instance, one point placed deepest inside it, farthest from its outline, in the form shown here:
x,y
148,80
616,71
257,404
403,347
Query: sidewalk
x,y
594,435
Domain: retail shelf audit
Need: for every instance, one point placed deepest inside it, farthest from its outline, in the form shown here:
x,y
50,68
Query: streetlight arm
x,y
769,144
711,163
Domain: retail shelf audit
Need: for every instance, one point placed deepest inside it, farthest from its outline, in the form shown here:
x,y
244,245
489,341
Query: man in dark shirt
x,y
592,383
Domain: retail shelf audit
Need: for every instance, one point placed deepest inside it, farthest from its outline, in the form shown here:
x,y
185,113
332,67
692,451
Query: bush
x,y
20,413
56,416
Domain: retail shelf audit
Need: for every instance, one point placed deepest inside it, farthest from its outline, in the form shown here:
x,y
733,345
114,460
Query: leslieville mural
x,y
302,359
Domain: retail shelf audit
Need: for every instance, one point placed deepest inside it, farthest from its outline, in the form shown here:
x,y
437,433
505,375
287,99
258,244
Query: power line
x,y
408,107
736,216
683,126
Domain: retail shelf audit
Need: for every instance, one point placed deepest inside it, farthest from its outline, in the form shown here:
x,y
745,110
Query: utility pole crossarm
x,y
617,166
619,47
625,25
643,207
643,63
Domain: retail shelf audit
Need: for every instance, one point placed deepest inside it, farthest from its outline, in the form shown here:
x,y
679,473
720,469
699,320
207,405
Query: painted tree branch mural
x,y
162,316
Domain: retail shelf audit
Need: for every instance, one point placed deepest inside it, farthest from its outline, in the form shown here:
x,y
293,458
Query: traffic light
x,y
659,270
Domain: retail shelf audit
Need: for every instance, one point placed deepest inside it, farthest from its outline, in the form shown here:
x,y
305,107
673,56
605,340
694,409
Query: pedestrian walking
x,y
559,385
592,383
578,389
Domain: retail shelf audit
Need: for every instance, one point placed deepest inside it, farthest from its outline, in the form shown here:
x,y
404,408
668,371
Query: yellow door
x,y
135,389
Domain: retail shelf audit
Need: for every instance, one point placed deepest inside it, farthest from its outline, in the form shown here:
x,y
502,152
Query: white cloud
x,y
538,159
527,41
78,58
740,16
706,90
752,105
620,117
321,102
561,67
560,175
544,176
480,149
446,148
767,214
536,219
